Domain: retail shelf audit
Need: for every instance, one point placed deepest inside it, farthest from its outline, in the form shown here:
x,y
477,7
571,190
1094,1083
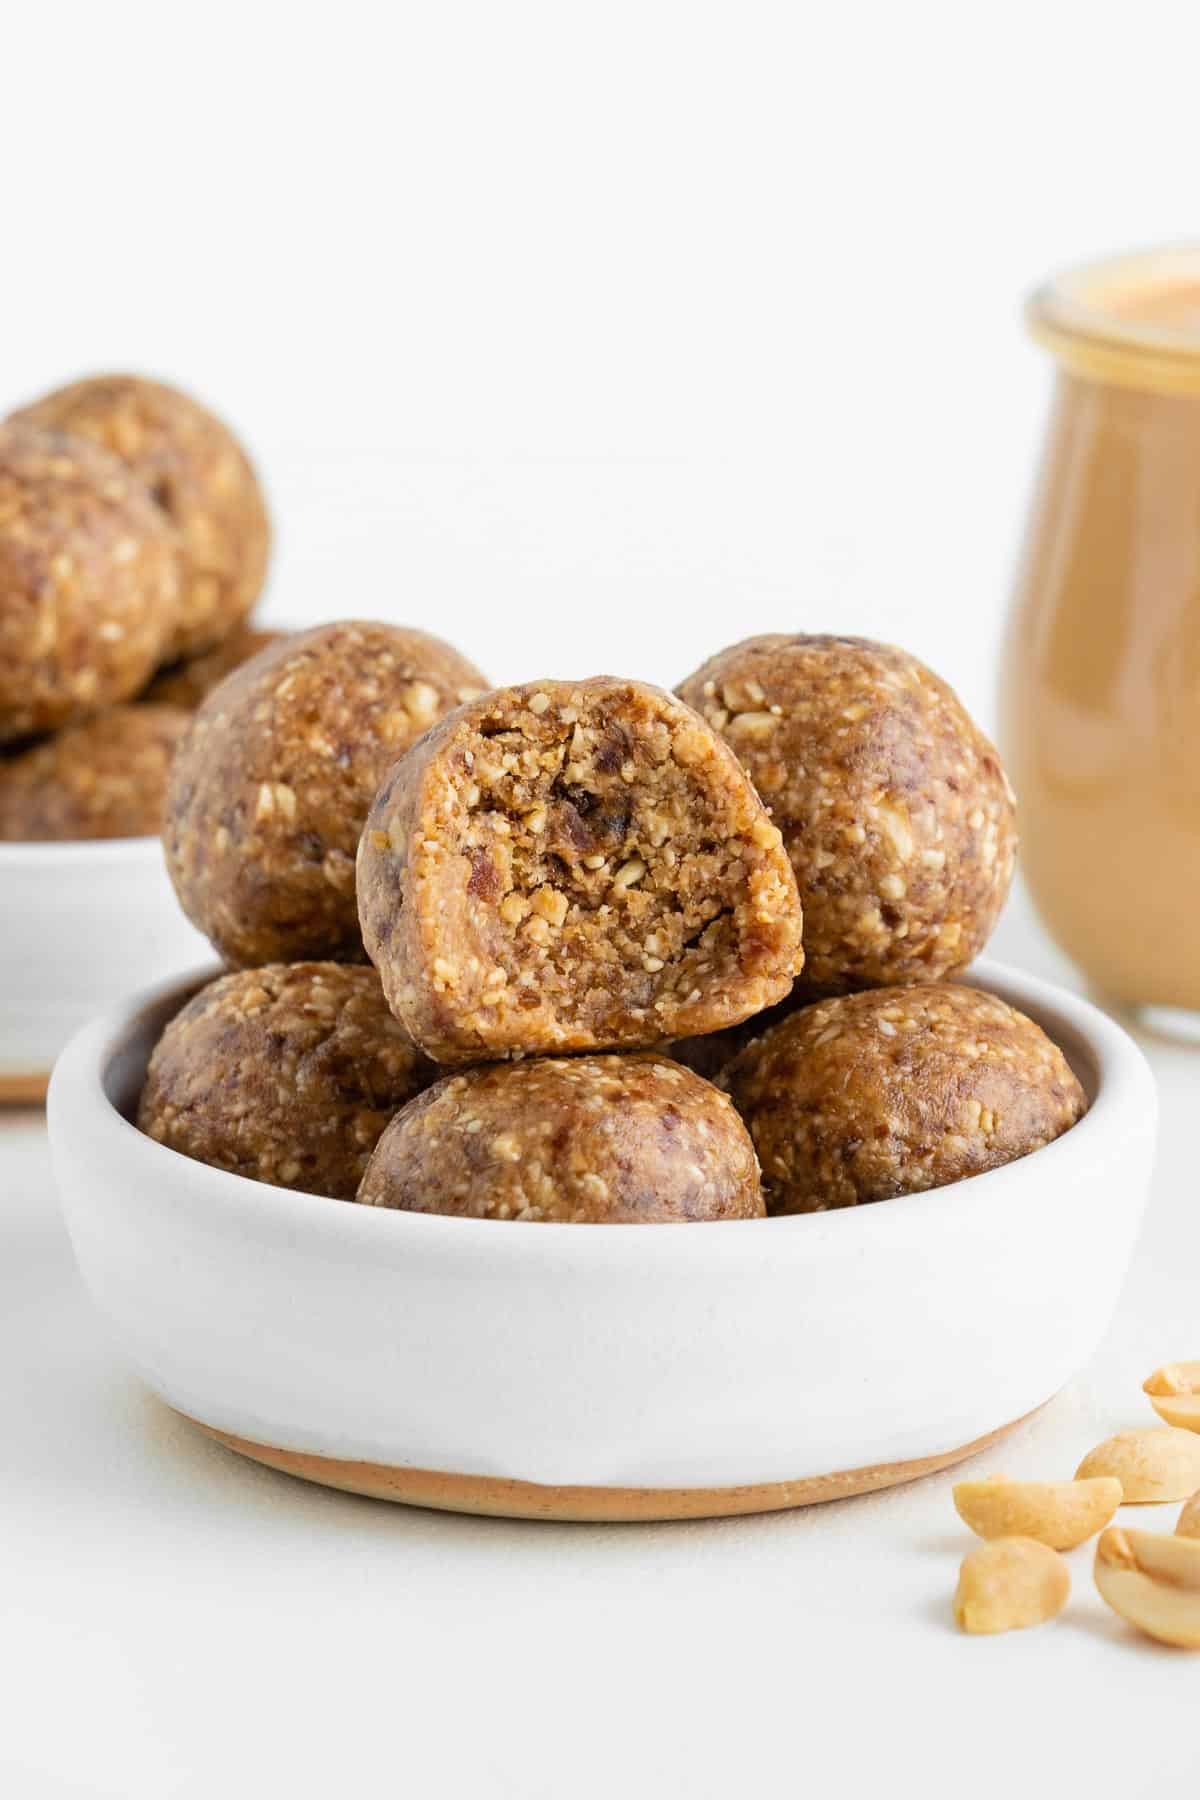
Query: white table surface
x,y
177,1622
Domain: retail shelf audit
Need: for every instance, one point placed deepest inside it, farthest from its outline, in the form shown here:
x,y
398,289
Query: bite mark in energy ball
x,y
895,811
104,778
186,684
896,1090
283,1074
271,786
89,581
596,1140
570,866
199,477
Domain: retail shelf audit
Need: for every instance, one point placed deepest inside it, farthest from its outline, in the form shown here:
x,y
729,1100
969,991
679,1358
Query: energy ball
x,y
199,478
893,805
186,684
573,866
588,1140
104,778
896,1090
283,1074
89,581
272,784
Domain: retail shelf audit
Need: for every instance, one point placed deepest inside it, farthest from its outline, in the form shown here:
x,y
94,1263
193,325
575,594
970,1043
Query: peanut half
x,y
1061,1514
1188,1523
1009,1583
1175,1394
1155,1464
1153,1581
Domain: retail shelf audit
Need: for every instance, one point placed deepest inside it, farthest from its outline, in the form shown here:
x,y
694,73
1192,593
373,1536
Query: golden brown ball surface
x,y
198,475
595,1140
896,1090
272,783
894,808
283,1074
103,778
89,581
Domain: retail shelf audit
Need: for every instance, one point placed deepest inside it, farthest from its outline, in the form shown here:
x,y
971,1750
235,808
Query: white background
x,y
594,335
591,336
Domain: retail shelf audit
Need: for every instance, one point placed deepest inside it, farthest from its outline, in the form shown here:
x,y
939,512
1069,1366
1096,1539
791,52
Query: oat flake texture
x,y
195,473
104,778
89,581
896,1090
593,1140
895,811
272,784
284,1074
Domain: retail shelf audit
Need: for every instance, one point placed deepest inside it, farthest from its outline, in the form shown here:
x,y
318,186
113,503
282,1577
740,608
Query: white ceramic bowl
x,y
621,1371
80,925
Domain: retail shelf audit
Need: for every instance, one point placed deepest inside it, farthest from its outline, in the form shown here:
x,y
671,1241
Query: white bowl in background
x,y
81,924
618,1371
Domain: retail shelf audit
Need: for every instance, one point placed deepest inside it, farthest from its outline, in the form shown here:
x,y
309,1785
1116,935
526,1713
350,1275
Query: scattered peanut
x,y
1153,1581
1156,1464
1010,1583
1061,1514
1175,1394
1188,1523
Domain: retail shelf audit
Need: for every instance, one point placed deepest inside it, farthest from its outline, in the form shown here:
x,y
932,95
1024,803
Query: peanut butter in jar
x,y
1101,691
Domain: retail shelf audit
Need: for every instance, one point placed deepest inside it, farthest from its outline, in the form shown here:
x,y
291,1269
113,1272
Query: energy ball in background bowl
x,y
574,866
894,808
103,778
197,476
592,1140
283,1074
89,581
272,785
896,1090
186,684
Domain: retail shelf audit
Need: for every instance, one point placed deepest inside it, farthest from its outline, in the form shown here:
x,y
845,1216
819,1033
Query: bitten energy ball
x,y
569,866
893,805
896,1090
186,684
89,581
593,1140
271,786
283,1074
199,477
104,778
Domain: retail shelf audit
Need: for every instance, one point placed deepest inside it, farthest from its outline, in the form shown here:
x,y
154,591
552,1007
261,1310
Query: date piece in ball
x,y
574,866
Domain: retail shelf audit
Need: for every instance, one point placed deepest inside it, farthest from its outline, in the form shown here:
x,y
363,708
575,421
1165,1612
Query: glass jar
x,y
1101,688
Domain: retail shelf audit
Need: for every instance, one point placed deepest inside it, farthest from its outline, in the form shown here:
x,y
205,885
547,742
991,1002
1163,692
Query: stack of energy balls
x,y
133,545
589,951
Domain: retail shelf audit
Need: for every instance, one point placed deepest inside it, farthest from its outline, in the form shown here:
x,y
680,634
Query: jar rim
x,y
1132,319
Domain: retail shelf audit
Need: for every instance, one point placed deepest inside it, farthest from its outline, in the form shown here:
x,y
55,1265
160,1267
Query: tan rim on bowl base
x,y
497,1498
23,1090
